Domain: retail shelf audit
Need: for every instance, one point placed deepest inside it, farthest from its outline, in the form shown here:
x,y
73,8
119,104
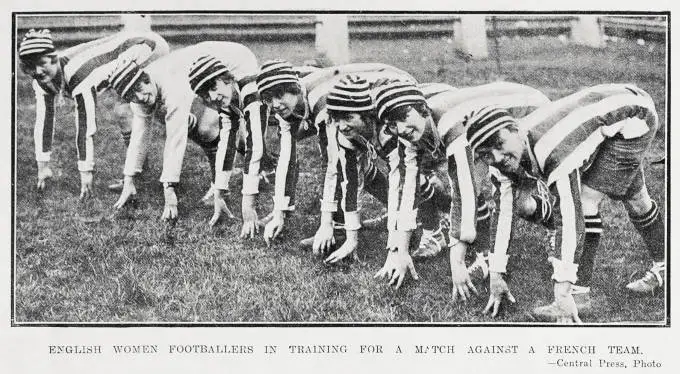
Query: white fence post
x,y
332,37
470,36
136,22
586,30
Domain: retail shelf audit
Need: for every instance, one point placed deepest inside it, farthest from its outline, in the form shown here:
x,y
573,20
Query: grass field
x,y
132,268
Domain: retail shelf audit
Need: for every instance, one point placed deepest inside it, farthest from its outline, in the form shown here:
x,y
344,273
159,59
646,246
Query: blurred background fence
x,y
187,27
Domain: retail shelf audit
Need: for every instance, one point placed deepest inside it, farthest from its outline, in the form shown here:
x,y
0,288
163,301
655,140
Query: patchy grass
x,y
73,263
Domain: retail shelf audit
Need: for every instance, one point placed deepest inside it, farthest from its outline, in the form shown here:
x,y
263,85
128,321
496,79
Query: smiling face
x,y
219,93
410,124
143,92
286,100
288,104
504,150
353,125
43,68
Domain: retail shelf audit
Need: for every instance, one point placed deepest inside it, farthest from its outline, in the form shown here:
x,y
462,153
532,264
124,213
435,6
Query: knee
x,y
640,203
590,200
525,206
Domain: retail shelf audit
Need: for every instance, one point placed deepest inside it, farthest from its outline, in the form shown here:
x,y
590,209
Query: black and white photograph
x,y
330,168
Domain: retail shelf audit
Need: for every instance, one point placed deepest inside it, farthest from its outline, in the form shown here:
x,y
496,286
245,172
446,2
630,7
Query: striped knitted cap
x,y
204,69
396,94
36,43
124,76
350,94
483,123
275,72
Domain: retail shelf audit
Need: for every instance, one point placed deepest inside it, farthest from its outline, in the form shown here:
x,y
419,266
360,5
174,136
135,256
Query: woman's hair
x,y
399,114
28,63
225,77
281,89
144,78
493,139
367,116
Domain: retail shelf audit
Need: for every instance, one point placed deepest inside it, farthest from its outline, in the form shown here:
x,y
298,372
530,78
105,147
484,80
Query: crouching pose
x,y
81,73
163,90
362,141
300,107
431,129
583,147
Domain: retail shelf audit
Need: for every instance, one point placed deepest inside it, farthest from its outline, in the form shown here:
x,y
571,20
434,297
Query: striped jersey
x,y
465,175
408,161
401,159
83,73
174,102
315,87
563,138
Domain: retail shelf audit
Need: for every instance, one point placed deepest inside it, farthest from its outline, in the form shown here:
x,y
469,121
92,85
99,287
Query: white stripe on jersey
x,y
459,142
468,209
577,157
504,225
569,219
562,129
455,115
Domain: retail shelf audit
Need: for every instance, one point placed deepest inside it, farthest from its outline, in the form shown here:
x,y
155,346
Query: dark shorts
x,y
617,168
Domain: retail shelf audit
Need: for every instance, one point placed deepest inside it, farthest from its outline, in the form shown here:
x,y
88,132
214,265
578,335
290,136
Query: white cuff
x,y
563,271
85,165
222,179
406,220
453,241
131,173
329,206
352,221
42,156
498,263
283,203
251,184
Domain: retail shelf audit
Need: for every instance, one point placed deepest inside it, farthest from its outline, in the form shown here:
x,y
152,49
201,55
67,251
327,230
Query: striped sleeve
x,y
502,222
569,131
90,67
463,193
43,130
286,168
86,127
403,187
136,151
176,136
570,228
226,149
348,163
255,121
328,201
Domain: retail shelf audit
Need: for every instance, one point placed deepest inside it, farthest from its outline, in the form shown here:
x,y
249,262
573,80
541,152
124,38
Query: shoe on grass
x,y
479,269
267,179
208,198
431,244
581,296
375,223
116,186
550,312
651,282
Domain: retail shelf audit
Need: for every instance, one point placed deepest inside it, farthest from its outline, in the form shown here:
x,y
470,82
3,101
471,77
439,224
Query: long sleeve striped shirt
x,y
315,87
563,138
173,108
83,74
406,161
